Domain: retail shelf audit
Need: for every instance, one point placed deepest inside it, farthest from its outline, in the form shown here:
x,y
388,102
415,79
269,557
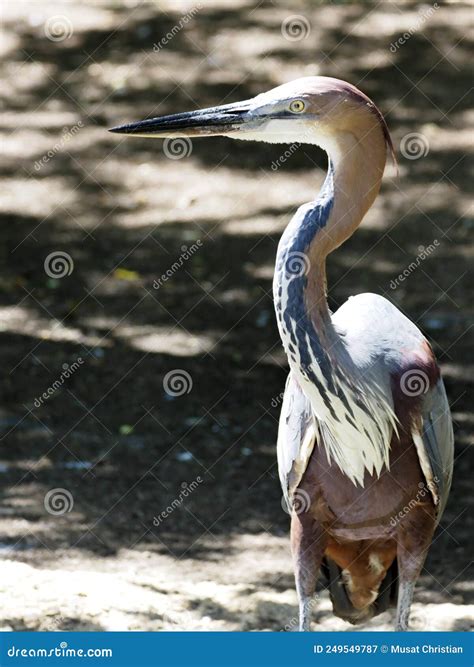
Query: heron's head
x,y
311,110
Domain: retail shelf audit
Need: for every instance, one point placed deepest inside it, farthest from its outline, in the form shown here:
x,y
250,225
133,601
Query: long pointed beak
x,y
213,121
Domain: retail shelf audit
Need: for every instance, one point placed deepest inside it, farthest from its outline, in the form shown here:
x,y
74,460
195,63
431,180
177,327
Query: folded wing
x,y
297,435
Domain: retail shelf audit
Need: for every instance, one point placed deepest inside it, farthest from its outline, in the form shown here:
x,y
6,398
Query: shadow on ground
x,y
123,447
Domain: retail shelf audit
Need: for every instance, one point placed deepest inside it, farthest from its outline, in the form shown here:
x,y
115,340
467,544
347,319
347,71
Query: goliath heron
x,y
365,443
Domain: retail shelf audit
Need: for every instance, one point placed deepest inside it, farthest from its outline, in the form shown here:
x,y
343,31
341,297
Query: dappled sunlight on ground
x,y
120,432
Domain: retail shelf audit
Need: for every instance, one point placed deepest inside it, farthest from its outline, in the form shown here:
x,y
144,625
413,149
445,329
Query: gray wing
x,y
438,440
297,434
434,442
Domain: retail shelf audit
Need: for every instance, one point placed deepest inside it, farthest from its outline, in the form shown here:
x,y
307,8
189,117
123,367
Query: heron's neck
x,y
355,417
351,185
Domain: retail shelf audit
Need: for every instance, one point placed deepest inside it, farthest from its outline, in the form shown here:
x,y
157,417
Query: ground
x,y
135,499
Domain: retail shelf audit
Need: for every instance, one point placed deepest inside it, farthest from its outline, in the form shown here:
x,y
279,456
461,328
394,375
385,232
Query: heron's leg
x,y
307,546
405,598
413,541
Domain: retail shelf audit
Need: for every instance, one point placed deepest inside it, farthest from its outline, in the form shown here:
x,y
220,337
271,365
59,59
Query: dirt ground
x,y
132,499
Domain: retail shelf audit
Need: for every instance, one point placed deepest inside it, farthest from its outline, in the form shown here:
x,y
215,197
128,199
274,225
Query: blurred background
x,y
142,368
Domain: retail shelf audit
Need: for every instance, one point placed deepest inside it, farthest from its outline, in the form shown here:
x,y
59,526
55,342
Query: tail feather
x,y
342,605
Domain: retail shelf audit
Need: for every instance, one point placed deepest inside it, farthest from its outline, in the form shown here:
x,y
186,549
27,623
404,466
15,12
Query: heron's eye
x,y
297,106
